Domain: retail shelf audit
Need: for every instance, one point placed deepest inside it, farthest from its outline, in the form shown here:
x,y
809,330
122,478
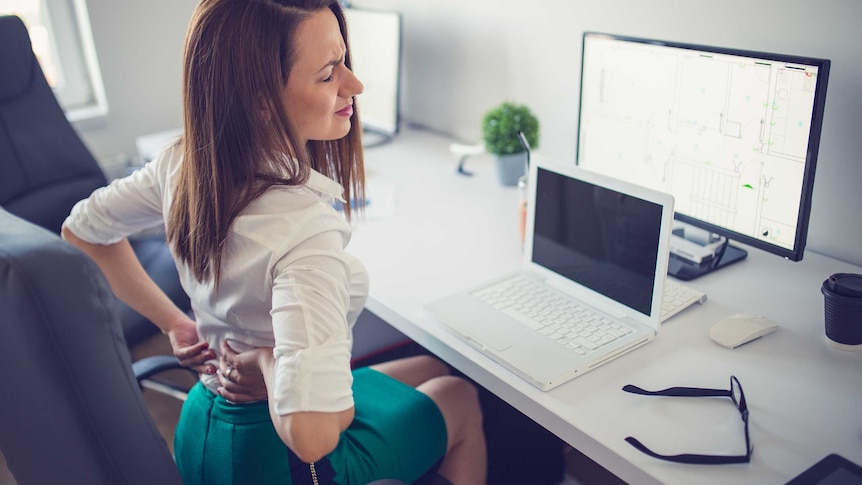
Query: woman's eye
x,y
329,79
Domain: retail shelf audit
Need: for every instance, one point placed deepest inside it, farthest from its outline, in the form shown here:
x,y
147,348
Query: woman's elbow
x,y
312,450
311,436
67,234
70,237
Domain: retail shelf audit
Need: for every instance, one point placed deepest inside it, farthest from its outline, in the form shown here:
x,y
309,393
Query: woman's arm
x,y
131,284
307,373
311,435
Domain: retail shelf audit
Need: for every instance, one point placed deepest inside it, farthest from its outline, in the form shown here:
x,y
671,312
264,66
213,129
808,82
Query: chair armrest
x,y
151,366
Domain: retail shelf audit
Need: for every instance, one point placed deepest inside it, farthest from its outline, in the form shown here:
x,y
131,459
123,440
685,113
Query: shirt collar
x,y
324,185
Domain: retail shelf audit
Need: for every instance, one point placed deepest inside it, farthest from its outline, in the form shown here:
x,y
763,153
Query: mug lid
x,y
845,284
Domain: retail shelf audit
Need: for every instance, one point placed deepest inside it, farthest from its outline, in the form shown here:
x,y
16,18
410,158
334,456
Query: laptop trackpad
x,y
486,331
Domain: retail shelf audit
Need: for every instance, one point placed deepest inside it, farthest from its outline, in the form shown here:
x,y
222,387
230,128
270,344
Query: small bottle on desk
x,y
522,207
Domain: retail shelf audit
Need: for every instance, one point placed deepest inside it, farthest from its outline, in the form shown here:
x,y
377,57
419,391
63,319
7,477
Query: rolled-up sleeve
x,y
311,299
124,207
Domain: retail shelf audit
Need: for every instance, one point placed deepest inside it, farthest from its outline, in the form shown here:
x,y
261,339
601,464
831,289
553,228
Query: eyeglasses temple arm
x,y
690,458
679,391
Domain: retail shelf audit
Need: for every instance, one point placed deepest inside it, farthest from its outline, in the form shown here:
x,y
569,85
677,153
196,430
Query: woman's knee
x,y
433,365
413,371
457,399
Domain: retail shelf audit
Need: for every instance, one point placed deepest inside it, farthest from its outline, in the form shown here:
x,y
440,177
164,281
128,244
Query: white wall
x,y
139,44
464,56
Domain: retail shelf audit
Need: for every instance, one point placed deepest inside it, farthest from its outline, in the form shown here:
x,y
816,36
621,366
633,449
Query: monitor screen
x,y
375,48
733,135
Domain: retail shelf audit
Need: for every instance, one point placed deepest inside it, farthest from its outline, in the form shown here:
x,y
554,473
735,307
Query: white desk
x,y
449,231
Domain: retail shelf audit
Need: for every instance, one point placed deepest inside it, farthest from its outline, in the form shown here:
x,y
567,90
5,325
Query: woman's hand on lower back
x,y
240,374
189,349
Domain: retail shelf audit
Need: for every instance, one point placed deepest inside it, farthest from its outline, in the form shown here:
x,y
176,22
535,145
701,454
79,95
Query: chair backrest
x,y
45,168
71,410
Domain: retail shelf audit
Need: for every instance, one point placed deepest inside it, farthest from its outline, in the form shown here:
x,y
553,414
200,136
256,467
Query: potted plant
x,y
500,127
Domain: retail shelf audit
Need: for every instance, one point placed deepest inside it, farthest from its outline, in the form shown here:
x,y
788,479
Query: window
x,y
63,43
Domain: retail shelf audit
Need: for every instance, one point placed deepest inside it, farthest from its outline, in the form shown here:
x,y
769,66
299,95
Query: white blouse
x,y
286,280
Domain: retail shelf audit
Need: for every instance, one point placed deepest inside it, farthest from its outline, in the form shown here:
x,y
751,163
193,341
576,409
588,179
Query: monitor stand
x,y
686,270
695,252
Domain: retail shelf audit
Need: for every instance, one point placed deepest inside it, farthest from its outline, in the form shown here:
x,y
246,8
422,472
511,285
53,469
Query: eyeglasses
x,y
735,393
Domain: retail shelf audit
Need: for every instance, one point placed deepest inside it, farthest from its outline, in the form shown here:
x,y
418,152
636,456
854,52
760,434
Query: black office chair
x,y
45,168
71,410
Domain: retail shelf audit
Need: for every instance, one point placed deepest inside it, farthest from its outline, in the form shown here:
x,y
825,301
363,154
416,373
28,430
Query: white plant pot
x,y
511,167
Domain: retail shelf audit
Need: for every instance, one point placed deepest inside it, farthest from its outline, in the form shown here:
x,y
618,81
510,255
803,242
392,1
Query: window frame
x,y
82,92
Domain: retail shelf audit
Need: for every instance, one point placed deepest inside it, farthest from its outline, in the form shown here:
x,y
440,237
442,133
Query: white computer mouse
x,y
741,328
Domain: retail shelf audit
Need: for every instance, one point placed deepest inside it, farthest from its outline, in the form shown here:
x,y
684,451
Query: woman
x,y
271,139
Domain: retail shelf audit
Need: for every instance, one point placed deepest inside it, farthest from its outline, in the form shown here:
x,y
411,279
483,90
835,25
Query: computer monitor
x,y
733,135
375,47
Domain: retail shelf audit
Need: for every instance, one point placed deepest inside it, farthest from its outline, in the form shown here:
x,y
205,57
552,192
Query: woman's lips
x,y
345,111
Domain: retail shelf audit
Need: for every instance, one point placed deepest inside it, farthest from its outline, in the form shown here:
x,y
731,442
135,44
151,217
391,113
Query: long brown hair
x,y
237,139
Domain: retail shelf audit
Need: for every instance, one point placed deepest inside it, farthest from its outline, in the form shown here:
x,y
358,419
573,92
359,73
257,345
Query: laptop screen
x,y
602,239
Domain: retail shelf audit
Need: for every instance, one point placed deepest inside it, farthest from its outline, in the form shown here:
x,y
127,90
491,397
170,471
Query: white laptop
x,y
594,246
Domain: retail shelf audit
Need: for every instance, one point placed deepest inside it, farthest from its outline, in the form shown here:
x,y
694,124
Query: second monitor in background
x,y
733,135
375,45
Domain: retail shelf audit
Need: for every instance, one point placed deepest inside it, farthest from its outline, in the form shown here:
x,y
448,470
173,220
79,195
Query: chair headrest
x,y
16,57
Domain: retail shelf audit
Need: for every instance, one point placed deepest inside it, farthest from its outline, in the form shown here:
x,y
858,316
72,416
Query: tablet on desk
x,y
832,470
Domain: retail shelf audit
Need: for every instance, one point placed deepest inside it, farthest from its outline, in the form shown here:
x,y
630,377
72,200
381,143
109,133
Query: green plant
x,y
500,127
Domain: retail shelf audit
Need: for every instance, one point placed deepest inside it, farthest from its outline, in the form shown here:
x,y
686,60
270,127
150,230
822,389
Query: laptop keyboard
x,y
574,326
564,321
677,297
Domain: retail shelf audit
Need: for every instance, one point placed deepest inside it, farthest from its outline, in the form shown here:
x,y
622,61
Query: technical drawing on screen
x,y
732,134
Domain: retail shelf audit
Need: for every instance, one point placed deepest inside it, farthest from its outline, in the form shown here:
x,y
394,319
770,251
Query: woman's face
x,y
320,89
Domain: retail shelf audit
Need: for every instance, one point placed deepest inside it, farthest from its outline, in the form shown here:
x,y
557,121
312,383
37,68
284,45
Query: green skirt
x,y
398,432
